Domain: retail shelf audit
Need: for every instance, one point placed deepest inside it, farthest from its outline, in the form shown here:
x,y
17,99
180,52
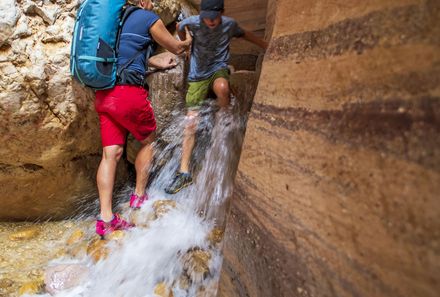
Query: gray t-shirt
x,y
210,48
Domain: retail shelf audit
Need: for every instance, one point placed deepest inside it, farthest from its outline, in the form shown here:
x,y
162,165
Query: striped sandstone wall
x,y
338,188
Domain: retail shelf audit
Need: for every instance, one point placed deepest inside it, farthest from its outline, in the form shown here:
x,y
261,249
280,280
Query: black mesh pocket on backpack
x,y
105,51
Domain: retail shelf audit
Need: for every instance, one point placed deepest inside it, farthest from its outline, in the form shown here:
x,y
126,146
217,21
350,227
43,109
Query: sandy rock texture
x,y
337,192
50,138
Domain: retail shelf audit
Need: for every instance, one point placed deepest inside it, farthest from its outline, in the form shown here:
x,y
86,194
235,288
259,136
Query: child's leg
x,y
188,140
197,92
222,91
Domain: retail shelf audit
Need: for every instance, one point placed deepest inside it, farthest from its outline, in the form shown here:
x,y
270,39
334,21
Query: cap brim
x,y
209,14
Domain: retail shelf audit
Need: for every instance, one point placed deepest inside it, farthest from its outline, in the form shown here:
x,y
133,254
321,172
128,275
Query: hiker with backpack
x,y
212,33
124,107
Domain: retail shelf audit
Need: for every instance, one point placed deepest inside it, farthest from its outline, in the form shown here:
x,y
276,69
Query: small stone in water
x,y
75,237
6,283
25,234
97,250
161,207
31,288
215,236
161,290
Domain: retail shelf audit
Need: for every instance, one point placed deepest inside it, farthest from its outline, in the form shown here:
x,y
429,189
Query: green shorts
x,y
198,90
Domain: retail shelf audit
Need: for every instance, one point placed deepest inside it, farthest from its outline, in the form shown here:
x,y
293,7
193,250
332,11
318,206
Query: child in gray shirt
x,y
212,33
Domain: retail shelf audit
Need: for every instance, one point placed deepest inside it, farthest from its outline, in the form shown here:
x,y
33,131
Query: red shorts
x,y
124,109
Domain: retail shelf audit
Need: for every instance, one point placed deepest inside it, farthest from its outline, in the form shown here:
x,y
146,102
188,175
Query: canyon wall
x,y
337,192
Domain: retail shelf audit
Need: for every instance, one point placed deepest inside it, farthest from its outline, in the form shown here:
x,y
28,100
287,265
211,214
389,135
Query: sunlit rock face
x,y
50,137
337,192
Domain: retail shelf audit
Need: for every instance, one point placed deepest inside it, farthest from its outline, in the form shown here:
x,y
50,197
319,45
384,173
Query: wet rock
x,y
215,236
184,282
196,264
76,237
208,290
117,235
161,207
31,288
97,250
140,219
25,234
5,283
162,290
63,277
8,287
61,252
79,250
36,274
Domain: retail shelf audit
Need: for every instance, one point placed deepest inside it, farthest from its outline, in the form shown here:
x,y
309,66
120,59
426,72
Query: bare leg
x,y
188,140
142,164
222,91
105,178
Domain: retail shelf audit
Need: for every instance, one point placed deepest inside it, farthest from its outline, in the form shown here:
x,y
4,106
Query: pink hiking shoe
x,y
136,201
103,228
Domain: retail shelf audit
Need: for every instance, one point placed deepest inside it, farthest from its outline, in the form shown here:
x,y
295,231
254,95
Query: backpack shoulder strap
x,y
148,50
125,14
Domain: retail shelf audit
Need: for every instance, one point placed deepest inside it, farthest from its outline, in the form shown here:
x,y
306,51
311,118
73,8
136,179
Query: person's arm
x,y
251,37
165,39
181,34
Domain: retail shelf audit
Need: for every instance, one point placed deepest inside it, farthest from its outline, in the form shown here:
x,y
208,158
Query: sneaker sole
x,y
178,189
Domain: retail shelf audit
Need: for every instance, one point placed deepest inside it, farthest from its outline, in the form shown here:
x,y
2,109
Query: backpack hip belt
x,y
131,77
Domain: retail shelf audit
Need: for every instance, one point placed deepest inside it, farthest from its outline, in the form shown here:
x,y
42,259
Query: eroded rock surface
x,y
50,138
338,182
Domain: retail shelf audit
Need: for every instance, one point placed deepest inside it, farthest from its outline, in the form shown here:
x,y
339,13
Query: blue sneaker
x,y
180,181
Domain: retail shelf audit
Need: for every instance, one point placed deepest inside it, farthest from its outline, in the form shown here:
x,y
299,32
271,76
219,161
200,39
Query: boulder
x,y
64,276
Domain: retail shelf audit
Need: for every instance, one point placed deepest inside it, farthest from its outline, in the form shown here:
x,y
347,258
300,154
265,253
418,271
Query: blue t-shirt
x,y
135,37
210,48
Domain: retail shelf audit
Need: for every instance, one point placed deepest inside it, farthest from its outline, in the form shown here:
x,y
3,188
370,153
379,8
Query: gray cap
x,y
210,9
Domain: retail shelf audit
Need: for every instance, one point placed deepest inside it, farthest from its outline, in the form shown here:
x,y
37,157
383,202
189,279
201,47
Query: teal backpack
x,y
93,53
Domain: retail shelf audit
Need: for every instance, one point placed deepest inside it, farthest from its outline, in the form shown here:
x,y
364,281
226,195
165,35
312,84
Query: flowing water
x,y
170,251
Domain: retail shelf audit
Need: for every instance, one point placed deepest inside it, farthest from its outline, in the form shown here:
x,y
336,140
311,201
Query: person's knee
x,y
221,88
222,91
113,153
191,122
190,128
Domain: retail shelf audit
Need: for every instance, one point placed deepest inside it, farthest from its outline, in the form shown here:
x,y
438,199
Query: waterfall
x,y
174,250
